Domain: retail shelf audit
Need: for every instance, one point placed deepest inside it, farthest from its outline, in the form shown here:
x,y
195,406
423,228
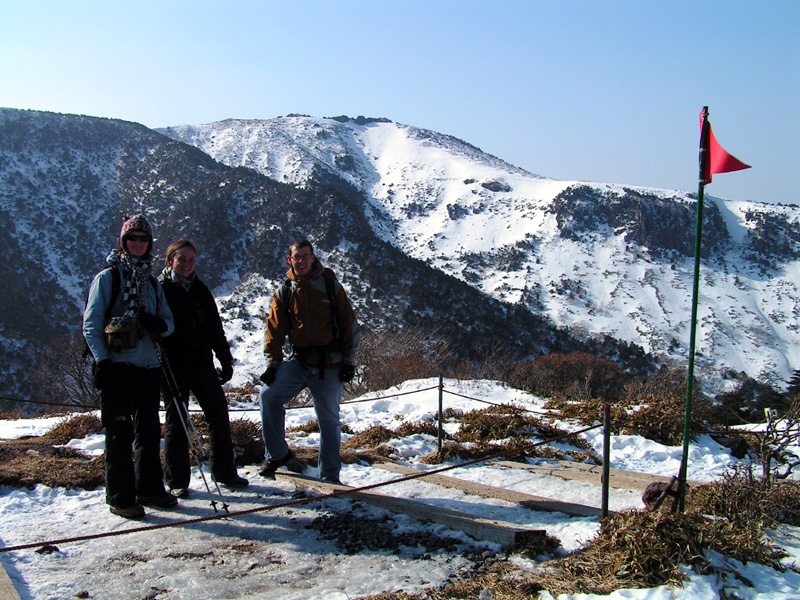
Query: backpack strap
x,y
330,289
285,292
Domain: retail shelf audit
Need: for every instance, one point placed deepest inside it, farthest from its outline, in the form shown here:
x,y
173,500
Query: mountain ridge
x,y
422,228
64,196
433,205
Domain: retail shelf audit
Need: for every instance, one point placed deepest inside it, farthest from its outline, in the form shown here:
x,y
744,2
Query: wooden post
x,y
440,435
606,459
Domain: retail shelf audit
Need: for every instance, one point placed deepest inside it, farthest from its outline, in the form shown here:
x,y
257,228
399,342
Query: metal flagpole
x,y
695,294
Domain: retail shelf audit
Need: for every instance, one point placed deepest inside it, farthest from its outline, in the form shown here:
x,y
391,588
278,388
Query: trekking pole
x,y
195,444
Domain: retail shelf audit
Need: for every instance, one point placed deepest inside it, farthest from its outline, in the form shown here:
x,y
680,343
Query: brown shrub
x,y
507,421
575,376
742,496
371,437
311,426
494,423
248,444
390,357
407,429
653,407
656,408
74,427
63,374
511,449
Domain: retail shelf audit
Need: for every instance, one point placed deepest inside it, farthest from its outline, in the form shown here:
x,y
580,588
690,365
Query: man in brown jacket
x,y
312,308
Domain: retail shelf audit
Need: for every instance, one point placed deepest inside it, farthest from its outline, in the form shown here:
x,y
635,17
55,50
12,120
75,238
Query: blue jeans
x,y
292,377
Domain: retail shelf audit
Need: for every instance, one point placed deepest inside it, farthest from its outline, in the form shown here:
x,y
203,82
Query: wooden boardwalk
x,y
488,491
507,535
7,589
626,480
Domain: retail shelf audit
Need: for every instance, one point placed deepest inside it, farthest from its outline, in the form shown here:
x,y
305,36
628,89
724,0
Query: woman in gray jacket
x,y
125,312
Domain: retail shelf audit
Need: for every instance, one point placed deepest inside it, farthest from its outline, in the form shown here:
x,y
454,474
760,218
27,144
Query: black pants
x,y
129,412
200,378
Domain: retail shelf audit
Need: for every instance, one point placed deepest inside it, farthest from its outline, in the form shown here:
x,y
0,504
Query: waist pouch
x,y
120,334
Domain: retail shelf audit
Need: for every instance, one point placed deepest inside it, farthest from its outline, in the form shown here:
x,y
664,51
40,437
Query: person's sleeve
x,y
95,313
164,311
275,334
216,332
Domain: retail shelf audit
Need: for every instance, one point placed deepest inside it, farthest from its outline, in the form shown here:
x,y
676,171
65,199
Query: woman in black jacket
x,y
198,333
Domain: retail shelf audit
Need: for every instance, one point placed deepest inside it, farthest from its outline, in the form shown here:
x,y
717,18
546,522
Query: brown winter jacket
x,y
307,322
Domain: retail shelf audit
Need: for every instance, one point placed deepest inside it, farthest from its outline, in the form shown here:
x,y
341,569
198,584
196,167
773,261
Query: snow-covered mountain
x,y
422,229
67,181
597,258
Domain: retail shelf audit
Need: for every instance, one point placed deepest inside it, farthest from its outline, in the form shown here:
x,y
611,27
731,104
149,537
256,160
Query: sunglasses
x,y
137,238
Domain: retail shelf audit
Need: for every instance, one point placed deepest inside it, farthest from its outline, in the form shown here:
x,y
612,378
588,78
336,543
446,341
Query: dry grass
x,y
30,461
646,549
742,496
73,428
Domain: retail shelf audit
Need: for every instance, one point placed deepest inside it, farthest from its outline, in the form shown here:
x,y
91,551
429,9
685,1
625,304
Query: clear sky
x,y
591,90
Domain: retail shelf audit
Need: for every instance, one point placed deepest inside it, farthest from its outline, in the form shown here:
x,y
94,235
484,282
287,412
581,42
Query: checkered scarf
x,y
134,284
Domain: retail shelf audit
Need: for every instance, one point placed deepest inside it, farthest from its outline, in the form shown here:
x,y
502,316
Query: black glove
x,y
346,373
225,374
152,323
101,376
268,376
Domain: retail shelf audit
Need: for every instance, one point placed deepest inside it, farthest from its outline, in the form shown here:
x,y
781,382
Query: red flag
x,y
713,157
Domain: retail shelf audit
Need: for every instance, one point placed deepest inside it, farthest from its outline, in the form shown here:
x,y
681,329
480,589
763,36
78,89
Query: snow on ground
x,y
274,554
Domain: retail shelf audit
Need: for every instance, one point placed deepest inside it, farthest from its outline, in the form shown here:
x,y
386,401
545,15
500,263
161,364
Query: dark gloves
x,y
101,376
152,323
225,374
268,376
346,373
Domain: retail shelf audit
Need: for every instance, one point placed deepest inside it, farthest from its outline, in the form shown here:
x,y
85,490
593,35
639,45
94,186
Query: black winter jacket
x,y
198,327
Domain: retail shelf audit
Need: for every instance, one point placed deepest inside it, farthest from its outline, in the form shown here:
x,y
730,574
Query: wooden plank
x,y
626,480
7,589
507,535
489,491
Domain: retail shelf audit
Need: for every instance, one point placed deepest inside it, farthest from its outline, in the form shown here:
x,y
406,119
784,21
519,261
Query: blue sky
x,y
602,91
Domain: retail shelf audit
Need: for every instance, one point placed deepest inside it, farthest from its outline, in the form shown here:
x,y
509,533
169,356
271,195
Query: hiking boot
x,y
234,481
179,492
135,511
335,480
161,501
268,468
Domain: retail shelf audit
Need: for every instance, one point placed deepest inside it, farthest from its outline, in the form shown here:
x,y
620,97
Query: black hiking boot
x,y
136,511
234,481
268,468
164,500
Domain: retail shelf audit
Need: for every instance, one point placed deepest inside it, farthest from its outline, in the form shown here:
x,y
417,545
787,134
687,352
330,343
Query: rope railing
x,y
294,502
45,402
530,410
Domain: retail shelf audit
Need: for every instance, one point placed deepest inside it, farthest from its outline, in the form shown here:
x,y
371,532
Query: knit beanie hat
x,y
136,223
